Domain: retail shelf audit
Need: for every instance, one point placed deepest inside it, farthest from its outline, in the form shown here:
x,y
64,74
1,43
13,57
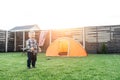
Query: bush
x,y
104,48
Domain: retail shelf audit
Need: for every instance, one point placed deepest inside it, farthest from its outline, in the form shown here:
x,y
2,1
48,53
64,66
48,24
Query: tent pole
x,y
14,41
83,37
6,46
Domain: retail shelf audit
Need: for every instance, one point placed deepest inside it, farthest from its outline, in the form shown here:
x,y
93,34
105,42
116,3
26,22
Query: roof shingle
x,y
25,28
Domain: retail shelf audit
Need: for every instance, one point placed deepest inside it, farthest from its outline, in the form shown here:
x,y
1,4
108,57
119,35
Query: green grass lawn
x,y
92,67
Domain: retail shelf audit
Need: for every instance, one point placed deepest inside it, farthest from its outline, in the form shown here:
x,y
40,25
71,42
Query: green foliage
x,y
103,49
92,67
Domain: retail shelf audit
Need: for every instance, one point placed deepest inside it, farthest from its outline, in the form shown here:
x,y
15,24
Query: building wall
x,y
10,46
108,35
2,40
75,33
19,41
94,38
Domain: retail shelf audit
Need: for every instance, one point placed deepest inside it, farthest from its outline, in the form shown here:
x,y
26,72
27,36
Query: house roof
x,y
2,30
25,28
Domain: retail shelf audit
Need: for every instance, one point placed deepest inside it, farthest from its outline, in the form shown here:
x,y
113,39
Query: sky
x,y
55,14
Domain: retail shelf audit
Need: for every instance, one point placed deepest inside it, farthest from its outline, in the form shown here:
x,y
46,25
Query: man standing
x,y
32,49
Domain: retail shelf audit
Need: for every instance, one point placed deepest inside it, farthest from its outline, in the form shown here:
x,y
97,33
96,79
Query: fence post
x,y
83,37
15,41
23,40
6,43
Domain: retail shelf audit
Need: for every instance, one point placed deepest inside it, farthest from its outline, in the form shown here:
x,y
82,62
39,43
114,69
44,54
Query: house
x,y
21,35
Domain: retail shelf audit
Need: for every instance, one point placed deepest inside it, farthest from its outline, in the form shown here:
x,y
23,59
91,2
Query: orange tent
x,y
65,47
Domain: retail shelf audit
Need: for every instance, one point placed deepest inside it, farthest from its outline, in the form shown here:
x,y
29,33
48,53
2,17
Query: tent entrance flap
x,y
63,48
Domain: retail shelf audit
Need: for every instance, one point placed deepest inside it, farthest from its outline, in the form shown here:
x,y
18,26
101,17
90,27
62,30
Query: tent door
x,y
63,48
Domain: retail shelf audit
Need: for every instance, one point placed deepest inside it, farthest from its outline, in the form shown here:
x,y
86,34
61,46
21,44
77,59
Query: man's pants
x,y
31,59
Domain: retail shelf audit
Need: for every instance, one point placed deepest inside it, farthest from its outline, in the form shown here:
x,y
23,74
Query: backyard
x,y
92,67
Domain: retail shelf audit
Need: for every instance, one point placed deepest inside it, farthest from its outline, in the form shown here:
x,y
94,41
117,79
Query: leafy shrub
x,y
104,48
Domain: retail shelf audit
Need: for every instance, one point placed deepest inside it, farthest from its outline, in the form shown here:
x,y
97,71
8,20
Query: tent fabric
x,y
65,46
